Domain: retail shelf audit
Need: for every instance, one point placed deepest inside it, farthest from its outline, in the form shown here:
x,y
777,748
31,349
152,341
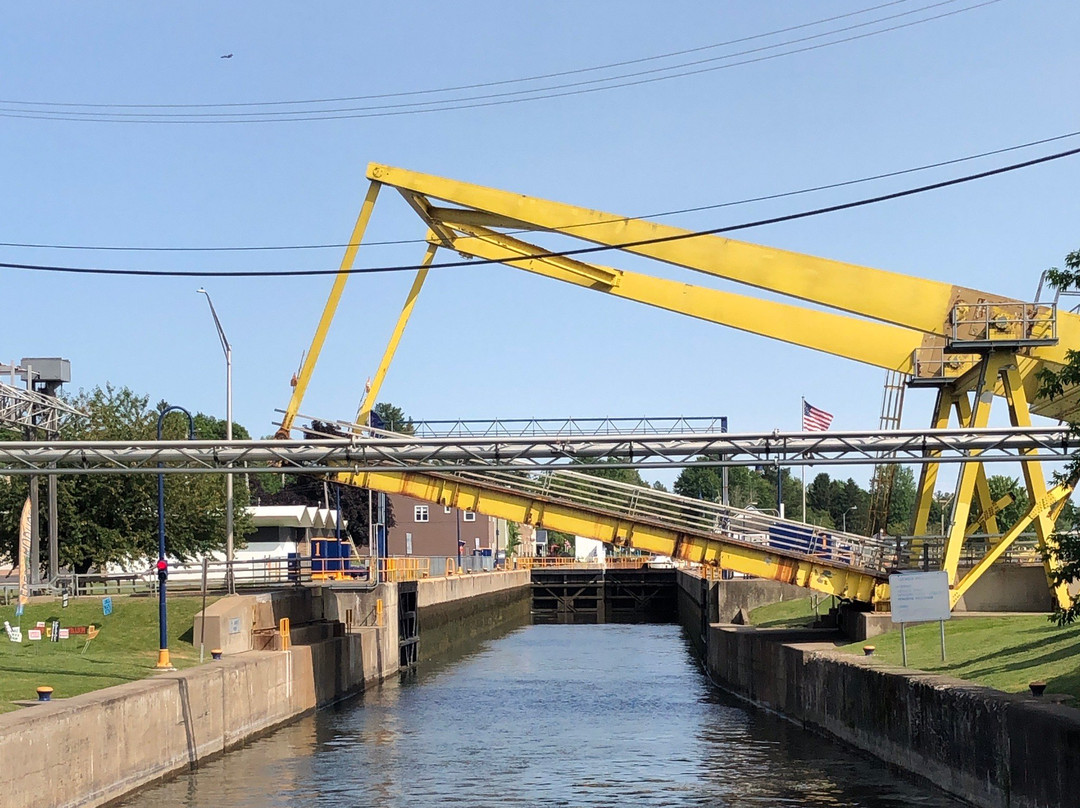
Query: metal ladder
x,y
881,484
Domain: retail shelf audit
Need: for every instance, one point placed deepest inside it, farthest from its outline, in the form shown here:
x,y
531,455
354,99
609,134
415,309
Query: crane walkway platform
x,y
747,541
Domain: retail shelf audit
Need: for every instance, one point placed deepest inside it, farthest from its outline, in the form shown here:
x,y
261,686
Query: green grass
x,y
125,650
1001,652
1005,653
787,613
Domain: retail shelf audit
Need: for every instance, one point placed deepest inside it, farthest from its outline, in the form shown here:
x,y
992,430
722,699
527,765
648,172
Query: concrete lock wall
x,y
90,749
443,600
990,748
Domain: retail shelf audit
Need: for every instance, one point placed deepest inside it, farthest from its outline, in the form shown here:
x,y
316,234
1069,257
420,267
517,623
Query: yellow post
x,y
372,393
378,612
965,489
312,356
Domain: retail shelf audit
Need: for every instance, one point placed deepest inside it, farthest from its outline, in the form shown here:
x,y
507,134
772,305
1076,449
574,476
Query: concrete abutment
x,y
92,749
987,747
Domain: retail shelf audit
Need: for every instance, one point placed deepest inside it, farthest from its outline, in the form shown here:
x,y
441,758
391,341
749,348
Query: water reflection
x,y
552,715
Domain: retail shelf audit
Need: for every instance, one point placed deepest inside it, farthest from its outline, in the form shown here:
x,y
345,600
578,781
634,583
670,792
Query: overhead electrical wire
x,y
478,85
555,253
494,99
659,215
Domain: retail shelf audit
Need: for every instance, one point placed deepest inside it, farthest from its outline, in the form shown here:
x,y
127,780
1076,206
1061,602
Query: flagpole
x,y
802,409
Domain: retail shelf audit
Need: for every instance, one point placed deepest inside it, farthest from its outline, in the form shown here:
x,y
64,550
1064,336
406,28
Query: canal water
x,y
546,715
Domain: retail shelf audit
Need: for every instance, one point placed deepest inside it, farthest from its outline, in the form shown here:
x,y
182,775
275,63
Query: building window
x,y
408,544
420,513
446,509
469,516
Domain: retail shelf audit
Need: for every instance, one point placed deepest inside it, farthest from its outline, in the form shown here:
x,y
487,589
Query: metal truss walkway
x,y
388,451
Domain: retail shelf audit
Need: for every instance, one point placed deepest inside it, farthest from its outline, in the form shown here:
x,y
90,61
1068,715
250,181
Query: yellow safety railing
x,y
552,562
395,569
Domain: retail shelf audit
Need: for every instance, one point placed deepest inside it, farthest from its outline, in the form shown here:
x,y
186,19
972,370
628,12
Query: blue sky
x,y
488,341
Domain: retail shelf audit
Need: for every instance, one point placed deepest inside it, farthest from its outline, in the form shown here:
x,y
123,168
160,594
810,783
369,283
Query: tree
x,y
112,518
902,502
1001,486
700,482
385,415
513,538
1065,543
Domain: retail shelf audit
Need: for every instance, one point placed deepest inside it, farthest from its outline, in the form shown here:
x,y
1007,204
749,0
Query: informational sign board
x,y
919,596
34,634
234,625
106,606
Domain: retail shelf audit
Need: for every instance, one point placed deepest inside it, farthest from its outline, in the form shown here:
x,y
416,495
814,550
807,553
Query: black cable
x,y
448,105
663,214
548,254
476,86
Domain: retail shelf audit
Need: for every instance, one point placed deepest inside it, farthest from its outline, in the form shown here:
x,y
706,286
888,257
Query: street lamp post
x,y
163,663
845,517
225,346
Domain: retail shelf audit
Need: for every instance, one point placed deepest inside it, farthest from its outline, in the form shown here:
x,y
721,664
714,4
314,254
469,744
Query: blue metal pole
x,y
163,662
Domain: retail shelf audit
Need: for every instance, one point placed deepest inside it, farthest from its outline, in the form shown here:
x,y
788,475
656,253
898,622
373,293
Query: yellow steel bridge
x,y
971,346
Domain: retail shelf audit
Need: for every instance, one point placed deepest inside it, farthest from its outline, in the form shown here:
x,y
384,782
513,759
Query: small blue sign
x,y
106,606
18,610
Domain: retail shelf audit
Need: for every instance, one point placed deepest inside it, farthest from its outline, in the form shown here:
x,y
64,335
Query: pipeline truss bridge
x,y
370,449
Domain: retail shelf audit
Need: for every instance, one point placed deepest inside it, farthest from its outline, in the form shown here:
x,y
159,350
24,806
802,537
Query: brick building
x,y
428,529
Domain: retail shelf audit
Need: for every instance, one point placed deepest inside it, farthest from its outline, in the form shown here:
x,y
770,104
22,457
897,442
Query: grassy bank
x,y
126,648
1001,652
1005,653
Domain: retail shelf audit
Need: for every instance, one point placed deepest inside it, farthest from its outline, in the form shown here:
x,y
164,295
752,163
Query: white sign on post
x,y
919,596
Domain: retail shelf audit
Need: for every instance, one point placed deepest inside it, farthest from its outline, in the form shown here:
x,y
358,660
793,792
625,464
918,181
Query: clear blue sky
x,y
491,342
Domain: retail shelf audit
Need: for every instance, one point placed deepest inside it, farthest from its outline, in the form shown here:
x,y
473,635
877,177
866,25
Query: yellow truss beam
x,y
818,575
885,346
902,300
371,395
312,356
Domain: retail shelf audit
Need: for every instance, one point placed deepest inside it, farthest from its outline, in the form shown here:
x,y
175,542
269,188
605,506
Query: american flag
x,y
813,419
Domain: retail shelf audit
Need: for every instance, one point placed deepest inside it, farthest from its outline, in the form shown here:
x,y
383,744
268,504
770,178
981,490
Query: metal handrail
x,y
598,494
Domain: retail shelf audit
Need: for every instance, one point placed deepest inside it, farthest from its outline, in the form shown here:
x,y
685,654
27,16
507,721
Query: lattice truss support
x,y
971,398
21,409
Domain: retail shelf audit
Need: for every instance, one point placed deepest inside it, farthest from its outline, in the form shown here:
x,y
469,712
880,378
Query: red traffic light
x,y
162,565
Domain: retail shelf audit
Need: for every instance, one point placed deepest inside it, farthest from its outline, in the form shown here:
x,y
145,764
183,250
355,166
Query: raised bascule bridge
x,y
972,347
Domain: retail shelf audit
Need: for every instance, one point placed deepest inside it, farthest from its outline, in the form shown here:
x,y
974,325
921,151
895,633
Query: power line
x,y
660,215
483,100
550,254
475,86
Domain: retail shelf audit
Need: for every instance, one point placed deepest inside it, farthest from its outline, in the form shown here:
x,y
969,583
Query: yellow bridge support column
x,y
312,356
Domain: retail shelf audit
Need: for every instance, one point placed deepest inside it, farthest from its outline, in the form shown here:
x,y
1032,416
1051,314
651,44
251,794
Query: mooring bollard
x,y
44,694
1037,688
868,650
215,653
